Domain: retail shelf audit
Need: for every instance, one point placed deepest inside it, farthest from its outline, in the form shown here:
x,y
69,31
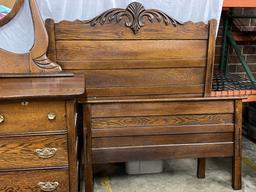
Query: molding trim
x,y
44,64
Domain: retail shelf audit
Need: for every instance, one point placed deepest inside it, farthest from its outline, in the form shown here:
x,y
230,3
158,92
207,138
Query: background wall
x,y
248,48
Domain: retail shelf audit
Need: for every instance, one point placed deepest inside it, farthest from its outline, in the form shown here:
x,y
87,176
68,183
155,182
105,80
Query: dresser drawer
x,y
34,181
36,151
32,116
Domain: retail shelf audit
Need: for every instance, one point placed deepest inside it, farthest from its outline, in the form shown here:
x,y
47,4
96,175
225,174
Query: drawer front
x,y
32,116
34,181
30,152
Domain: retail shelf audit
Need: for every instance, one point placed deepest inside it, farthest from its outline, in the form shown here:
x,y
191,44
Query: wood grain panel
x,y
143,77
178,129
106,142
170,90
19,152
152,121
124,154
18,64
23,117
132,82
236,161
132,64
17,88
162,108
27,181
77,30
123,50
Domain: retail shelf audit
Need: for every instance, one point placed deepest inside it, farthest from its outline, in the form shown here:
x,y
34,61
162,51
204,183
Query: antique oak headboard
x,y
136,52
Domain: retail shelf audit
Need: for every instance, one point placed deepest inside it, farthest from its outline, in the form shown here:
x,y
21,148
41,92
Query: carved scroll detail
x,y
133,16
43,64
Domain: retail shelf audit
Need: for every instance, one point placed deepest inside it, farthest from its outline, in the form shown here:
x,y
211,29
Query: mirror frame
x,y
15,9
35,61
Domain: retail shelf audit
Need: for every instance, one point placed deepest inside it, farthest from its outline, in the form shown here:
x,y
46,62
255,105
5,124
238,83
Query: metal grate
x,y
228,82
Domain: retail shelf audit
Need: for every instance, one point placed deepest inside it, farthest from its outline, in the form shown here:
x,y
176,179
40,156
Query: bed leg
x,y
201,168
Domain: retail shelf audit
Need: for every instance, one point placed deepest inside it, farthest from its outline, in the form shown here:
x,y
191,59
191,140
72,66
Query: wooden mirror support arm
x,y
40,62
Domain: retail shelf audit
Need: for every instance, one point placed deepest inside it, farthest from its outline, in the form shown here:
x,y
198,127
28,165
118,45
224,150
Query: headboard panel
x,y
77,30
136,52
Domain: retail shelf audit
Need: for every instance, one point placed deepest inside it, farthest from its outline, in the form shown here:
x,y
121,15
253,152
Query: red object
x,y
239,3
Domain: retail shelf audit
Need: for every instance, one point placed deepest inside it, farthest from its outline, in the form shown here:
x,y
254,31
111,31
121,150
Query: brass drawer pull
x,y
24,103
1,119
48,186
46,152
51,116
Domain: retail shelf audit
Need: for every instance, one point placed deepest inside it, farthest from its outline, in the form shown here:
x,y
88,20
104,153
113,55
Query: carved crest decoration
x,y
133,16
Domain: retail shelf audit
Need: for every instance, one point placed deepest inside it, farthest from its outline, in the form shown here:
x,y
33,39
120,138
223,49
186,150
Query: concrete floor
x,y
180,176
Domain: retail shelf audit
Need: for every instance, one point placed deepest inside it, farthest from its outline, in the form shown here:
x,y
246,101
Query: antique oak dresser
x,y
38,118
148,81
38,133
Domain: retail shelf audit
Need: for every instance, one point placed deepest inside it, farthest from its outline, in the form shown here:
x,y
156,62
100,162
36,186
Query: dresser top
x,y
16,88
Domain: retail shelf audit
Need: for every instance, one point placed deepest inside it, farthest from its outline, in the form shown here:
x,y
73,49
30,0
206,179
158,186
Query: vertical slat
x,y
236,166
88,172
210,58
72,147
50,27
